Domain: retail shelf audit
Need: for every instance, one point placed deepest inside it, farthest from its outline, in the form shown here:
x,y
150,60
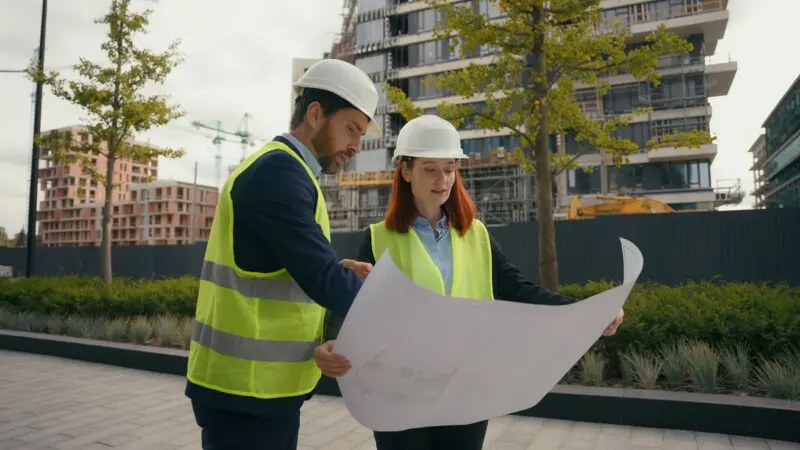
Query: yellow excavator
x,y
608,205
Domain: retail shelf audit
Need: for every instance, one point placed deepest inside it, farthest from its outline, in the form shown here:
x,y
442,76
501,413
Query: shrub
x,y
186,332
675,364
167,329
55,325
778,378
766,317
89,297
592,368
737,366
140,330
116,330
658,318
703,367
642,369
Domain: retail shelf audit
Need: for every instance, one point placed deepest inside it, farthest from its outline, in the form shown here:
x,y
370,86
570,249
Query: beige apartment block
x,y
145,211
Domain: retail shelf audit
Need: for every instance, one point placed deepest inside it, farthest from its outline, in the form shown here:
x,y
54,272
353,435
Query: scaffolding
x,y
344,46
501,189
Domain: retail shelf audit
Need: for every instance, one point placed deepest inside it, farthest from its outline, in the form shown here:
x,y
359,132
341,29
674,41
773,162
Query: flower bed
x,y
734,338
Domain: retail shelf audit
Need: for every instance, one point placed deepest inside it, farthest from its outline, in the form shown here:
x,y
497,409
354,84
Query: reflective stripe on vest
x,y
252,349
254,333
286,289
472,260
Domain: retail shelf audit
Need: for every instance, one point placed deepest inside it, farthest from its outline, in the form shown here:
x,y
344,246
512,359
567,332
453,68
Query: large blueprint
x,y
422,359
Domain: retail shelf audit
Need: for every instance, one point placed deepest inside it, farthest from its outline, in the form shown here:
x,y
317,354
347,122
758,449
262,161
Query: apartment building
x,y
145,211
394,43
776,154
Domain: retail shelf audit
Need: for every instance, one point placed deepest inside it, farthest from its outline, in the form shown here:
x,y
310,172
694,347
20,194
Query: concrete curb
x,y
710,413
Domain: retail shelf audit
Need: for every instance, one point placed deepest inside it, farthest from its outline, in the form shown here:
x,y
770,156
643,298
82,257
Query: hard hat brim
x,y
373,129
442,154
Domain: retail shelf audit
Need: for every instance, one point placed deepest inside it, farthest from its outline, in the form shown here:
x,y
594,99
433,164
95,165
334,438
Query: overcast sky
x,y
238,59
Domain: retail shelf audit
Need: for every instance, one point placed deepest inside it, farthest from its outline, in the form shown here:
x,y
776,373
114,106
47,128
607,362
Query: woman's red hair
x,y
401,213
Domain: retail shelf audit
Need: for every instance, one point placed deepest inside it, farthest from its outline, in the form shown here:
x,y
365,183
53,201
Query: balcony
x,y
443,66
709,17
719,75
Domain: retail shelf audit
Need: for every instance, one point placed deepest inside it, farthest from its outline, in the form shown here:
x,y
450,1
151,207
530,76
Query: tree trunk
x,y
105,243
548,260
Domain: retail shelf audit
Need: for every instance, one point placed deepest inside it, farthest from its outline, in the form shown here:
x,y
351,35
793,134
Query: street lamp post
x,y
37,128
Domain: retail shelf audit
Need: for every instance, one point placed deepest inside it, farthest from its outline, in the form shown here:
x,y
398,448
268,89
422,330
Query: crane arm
x,y
214,126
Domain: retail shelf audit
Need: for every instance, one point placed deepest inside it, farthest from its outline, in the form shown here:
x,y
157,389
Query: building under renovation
x,y
392,41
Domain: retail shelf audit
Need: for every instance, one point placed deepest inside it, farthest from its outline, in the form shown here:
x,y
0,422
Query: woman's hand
x,y
611,329
331,364
361,269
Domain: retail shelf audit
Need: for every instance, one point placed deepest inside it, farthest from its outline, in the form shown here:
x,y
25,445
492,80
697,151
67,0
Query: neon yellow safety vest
x,y
254,333
472,260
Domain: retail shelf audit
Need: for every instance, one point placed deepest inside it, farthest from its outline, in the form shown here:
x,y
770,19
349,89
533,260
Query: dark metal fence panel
x,y
757,246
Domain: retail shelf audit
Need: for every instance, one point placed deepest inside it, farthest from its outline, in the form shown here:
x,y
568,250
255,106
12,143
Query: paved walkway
x,y
53,403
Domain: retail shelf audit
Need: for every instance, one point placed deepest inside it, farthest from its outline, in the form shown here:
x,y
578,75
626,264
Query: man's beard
x,y
328,164
327,161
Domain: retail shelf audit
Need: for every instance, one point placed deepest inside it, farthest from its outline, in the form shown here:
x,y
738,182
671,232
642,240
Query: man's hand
x,y
615,324
361,269
331,364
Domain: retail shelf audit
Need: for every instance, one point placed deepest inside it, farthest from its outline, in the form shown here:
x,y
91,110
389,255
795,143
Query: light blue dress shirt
x,y
439,245
309,157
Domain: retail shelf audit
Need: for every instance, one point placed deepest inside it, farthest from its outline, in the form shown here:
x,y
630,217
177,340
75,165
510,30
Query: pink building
x,y
145,212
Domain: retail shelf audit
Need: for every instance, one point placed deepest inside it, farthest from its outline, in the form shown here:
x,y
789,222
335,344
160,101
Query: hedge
x,y
766,318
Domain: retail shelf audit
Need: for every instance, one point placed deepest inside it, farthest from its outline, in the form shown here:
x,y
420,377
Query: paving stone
x,y
60,404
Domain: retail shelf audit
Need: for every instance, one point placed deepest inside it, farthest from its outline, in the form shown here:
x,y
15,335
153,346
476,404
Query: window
x,y
368,32
369,5
682,175
422,21
372,64
424,87
583,181
490,8
668,127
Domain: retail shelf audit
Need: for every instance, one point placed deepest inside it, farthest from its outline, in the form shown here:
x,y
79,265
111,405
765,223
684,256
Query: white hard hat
x,y
348,82
428,136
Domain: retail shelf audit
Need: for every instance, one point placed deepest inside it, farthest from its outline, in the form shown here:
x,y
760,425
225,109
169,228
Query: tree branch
x,y
504,124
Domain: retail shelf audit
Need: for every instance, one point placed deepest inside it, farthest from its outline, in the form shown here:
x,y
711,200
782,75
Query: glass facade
x,y
369,32
369,5
426,53
788,155
784,122
370,161
783,146
652,11
642,178
642,132
372,64
787,197
485,145
424,21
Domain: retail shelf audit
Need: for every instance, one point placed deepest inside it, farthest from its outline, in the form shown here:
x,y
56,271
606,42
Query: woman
x,y
432,235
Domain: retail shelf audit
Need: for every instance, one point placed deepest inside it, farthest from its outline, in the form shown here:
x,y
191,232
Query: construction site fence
x,y
743,246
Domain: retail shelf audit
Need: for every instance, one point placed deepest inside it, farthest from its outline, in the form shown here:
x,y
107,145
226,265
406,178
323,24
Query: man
x,y
269,269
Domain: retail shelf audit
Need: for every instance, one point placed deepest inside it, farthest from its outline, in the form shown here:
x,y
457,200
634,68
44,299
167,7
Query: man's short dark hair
x,y
329,102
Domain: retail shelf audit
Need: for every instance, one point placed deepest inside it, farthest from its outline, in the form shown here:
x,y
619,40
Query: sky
x,y
237,60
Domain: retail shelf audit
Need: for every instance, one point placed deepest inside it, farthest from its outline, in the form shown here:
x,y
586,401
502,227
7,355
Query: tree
x,y
113,95
541,50
4,242
21,239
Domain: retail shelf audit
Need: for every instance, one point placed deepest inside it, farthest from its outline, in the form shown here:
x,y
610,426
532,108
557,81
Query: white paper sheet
x,y
421,359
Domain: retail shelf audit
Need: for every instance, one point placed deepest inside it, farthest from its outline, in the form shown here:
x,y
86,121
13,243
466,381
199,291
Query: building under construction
x,y
502,191
393,42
